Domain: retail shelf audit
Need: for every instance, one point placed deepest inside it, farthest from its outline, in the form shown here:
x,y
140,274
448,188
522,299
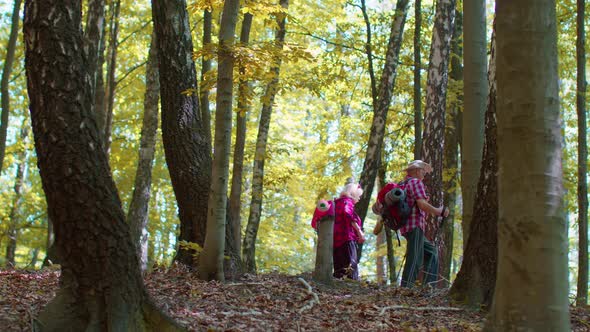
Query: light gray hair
x,y
352,190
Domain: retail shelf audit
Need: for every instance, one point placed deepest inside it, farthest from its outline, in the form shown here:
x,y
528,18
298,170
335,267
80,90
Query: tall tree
x,y
244,107
475,282
5,80
436,95
532,282
582,289
211,259
93,39
101,286
13,216
417,79
249,246
452,137
188,152
475,92
381,107
137,216
205,69
111,84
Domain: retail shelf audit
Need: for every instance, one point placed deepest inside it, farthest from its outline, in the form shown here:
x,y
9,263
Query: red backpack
x,y
392,205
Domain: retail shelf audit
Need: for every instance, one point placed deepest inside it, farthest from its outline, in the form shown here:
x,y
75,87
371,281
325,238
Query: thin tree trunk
x,y
101,286
111,83
532,284
324,260
376,136
211,259
475,283
14,215
582,289
475,92
369,51
450,158
93,37
4,83
137,216
188,152
417,79
205,68
249,247
244,106
436,94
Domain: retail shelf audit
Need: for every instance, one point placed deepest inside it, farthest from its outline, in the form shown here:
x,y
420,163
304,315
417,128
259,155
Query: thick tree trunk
x,y
13,216
475,90
386,84
324,254
244,107
532,282
417,79
111,83
582,289
436,96
188,152
450,158
101,286
474,285
249,248
5,80
137,216
211,260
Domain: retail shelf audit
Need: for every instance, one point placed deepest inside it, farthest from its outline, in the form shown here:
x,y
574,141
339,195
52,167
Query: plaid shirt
x,y
345,216
415,190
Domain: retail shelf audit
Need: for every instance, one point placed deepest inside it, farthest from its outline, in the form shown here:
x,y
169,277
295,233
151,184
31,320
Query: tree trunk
x,y
450,153
376,136
4,83
14,215
188,152
205,69
532,286
324,260
211,260
137,216
474,285
244,106
111,83
93,37
101,286
582,289
475,90
434,121
417,79
249,249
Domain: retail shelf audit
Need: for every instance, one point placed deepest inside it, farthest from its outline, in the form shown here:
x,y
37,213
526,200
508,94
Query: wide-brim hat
x,y
419,164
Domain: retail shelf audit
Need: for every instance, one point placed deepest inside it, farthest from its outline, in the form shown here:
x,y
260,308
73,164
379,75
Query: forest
x,y
161,161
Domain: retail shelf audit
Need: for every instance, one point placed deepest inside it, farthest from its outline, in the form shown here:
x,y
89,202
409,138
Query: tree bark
x,y
188,152
137,216
249,246
111,83
417,79
324,261
101,287
244,107
211,260
436,94
475,90
476,280
93,37
5,80
582,289
205,69
376,136
532,282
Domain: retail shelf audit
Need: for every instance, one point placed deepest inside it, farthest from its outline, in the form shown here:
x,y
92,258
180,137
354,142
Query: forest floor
x,y
269,302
